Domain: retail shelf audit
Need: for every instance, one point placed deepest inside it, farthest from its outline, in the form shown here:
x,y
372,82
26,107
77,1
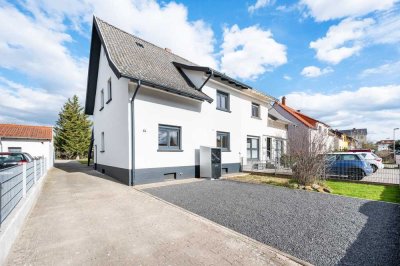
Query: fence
x,y
15,182
346,167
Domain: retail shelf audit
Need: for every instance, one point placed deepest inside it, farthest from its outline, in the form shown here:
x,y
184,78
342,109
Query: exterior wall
x,y
35,148
113,120
199,122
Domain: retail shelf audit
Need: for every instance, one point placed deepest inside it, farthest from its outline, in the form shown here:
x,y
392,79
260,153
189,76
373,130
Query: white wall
x,y
43,148
200,122
113,120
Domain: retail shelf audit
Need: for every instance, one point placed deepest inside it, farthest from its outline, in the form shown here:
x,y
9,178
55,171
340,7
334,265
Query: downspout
x,y
132,173
202,85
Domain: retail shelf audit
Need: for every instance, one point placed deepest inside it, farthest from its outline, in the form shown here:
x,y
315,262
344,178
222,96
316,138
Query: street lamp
x,y
394,142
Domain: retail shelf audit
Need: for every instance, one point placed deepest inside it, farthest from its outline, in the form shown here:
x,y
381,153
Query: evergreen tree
x,y
72,130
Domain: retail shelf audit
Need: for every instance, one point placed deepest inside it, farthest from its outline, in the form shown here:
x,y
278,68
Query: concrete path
x,y
85,218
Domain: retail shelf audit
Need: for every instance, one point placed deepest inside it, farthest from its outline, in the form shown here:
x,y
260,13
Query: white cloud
x,y
385,69
259,4
313,71
38,51
22,104
349,109
166,25
342,40
323,10
250,52
287,77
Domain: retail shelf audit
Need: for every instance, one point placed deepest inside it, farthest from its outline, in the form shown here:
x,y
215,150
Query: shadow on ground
x,y
372,245
77,167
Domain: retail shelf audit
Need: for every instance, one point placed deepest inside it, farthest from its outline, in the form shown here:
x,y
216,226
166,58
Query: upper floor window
x,y
169,137
101,99
109,91
223,140
255,110
223,101
102,148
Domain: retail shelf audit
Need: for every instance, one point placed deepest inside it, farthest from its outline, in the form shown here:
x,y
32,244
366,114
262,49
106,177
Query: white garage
x,y
35,140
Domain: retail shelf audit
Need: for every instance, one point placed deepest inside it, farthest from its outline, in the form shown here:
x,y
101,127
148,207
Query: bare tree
x,y
307,148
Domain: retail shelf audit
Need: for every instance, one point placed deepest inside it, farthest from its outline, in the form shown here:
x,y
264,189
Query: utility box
x,y
210,162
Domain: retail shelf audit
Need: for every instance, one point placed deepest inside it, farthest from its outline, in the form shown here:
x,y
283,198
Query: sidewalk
x,y
83,219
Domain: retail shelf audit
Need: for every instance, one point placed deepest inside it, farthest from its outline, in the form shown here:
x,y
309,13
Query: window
x,y
223,140
102,149
255,110
14,149
102,99
253,148
222,101
349,157
269,148
109,91
169,138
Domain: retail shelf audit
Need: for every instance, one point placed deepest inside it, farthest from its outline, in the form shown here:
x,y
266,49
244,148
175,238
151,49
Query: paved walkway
x,y
84,218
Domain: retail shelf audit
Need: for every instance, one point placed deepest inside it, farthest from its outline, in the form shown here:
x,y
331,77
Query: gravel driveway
x,y
319,228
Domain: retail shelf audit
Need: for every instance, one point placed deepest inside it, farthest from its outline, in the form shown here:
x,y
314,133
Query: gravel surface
x,y
319,228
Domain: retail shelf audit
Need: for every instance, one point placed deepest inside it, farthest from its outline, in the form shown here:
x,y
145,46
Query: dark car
x,y
352,165
9,159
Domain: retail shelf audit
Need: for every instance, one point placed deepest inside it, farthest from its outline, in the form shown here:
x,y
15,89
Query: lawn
x,y
388,193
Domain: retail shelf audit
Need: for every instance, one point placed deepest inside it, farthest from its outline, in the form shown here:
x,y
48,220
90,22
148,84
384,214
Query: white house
x,y
152,110
385,145
35,140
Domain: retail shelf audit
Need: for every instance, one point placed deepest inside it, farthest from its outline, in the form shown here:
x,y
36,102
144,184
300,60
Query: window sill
x,y
102,151
165,150
225,150
224,110
108,101
101,108
256,117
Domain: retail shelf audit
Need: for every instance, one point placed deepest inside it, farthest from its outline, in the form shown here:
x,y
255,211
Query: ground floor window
x,y
253,148
102,148
223,140
14,149
269,148
169,137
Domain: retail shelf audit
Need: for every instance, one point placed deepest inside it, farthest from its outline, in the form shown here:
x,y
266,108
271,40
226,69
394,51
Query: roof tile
x,y
26,131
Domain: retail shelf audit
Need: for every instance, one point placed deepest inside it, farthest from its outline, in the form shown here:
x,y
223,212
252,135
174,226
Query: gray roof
x,y
140,60
274,114
354,131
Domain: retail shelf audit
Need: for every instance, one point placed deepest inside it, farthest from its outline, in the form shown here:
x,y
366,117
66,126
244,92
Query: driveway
x,y
319,228
85,218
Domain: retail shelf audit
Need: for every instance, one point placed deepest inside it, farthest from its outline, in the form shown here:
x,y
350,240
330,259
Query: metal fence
x,y
337,169
15,182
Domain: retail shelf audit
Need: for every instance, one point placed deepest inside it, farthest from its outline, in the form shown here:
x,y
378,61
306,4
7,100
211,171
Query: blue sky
x,y
338,61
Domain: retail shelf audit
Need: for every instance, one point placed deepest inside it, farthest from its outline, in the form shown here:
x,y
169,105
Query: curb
x,y
239,235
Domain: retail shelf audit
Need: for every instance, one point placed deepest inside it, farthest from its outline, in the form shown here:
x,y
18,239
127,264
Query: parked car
x,y
352,165
374,160
9,159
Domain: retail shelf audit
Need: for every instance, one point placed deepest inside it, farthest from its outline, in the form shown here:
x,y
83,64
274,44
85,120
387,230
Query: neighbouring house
x,y
385,145
152,110
317,132
343,142
35,140
359,134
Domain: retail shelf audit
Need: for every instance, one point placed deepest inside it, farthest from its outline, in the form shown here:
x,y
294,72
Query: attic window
x,y
139,44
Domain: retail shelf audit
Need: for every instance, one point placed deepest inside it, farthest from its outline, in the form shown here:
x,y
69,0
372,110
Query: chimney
x,y
284,100
168,50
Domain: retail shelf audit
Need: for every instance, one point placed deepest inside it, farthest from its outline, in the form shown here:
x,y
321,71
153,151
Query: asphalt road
x,y
319,228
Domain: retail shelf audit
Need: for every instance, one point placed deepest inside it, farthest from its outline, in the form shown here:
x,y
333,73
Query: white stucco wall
x,y
113,120
199,122
43,148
